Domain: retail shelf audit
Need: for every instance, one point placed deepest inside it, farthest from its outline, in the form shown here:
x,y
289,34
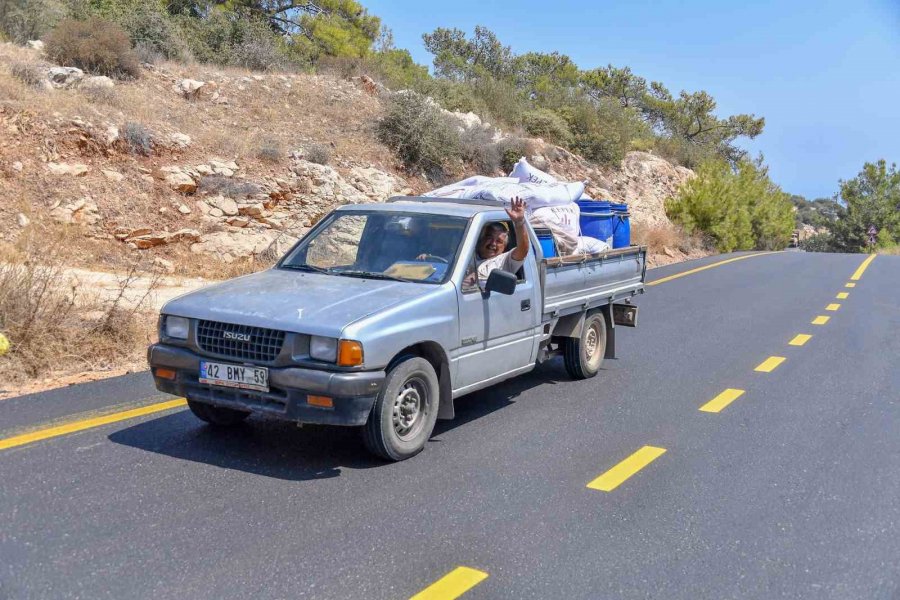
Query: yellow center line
x,y
722,400
770,364
833,307
800,339
452,585
849,285
705,267
862,268
820,320
842,295
66,428
625,469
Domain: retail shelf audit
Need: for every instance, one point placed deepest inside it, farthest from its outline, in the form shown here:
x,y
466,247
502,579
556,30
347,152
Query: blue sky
x,y
825,75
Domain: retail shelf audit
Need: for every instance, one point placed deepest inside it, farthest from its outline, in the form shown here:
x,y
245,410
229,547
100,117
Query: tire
x,y
405,411
584,355
217,415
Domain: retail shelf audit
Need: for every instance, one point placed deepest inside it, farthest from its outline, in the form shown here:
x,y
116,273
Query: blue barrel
x,y
621,226
596,219
545,238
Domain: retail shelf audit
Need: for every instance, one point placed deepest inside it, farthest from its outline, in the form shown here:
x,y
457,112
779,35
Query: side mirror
x,y
501,282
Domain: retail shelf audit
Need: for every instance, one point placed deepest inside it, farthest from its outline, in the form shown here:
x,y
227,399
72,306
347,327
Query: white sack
x,y
589,245
469,188
536,195
525,173
564,216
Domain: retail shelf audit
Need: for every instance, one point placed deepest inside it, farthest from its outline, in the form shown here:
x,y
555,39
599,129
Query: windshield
x,y
402,246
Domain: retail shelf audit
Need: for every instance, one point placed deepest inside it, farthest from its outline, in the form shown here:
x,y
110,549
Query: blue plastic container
x,y
545,238
621,226
596,219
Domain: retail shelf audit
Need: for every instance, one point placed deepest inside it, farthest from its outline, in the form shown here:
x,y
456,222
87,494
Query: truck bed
x,y
575,283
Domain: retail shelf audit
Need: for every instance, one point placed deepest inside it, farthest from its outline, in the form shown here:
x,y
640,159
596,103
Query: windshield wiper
x,y
369,275
310,268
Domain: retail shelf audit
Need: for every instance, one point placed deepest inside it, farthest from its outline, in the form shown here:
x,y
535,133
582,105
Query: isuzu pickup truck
x,y
377,319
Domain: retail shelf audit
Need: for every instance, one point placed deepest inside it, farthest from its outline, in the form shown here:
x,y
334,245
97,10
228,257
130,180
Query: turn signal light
x,y
166,374
350,353
320,401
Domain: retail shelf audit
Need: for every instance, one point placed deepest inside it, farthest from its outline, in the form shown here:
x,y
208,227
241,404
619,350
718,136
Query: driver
x,y
491,250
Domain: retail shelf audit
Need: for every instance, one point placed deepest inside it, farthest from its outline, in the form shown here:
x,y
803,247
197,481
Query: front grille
x,y
264,344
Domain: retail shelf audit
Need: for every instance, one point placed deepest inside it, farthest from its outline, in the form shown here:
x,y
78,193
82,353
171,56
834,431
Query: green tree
x,y
459,58
872,198
619,84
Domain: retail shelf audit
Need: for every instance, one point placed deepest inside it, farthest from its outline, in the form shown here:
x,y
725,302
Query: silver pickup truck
x,y
377,319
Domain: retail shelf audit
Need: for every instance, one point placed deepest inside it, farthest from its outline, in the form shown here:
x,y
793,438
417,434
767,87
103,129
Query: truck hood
x,y
294,301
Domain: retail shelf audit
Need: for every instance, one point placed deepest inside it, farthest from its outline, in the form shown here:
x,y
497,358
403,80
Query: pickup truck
x,y
376,319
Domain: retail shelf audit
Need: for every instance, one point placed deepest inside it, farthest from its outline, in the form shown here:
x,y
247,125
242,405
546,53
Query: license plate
x,y
234,376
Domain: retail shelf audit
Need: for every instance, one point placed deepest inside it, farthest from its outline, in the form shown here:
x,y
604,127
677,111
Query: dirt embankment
x,y
197,172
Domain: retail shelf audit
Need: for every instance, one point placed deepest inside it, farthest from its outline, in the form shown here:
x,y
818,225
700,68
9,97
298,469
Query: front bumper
x,y
353,393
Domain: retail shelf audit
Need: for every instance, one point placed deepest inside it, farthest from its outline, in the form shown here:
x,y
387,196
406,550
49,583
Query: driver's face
x,y
492,242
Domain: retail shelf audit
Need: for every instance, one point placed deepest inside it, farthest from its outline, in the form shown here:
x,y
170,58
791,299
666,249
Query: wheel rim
x,y
592,342
410,408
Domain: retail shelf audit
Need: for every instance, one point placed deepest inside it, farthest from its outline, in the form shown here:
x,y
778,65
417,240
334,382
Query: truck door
x,y
497,332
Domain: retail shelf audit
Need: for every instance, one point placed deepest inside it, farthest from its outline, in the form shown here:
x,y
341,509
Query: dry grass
x,y
57,328
661,237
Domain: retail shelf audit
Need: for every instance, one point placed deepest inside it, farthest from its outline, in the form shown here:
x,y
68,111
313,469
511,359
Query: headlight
x,y
177,327
323,348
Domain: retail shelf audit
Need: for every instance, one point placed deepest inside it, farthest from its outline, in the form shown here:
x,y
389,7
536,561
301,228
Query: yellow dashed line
x,y
820,320
842,295
849,285
722,400
800,339
51,432
833,307
625,469
862,268
770,364
452,585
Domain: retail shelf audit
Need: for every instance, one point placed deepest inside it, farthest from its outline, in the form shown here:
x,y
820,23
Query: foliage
x,y
546,124
96,46
821,212
458,58
419,133
739,208
872,198
23,20
821,242
319,154
138,139
27,73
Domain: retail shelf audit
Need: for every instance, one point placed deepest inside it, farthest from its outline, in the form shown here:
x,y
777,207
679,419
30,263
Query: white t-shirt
x,y
503,261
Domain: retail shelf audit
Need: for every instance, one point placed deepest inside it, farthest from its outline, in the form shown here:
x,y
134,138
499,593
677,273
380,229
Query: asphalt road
x,y
790,491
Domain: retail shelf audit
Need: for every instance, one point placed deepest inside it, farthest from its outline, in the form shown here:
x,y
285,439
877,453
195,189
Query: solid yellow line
x,y
705,267
862,268
625,469
452,585
770,364
850,285
800,339
820,320
51,432
842,295
722,400
832,307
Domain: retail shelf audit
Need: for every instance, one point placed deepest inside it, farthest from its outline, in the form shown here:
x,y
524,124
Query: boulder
x,y
181,182
113,176
190,88
374,183
74,169
230,245
645,182
22,220
180,140
184,209
35,45
226,205
64,77
97,82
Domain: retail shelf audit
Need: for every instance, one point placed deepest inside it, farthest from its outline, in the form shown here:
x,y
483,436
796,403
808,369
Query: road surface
x,y
724,454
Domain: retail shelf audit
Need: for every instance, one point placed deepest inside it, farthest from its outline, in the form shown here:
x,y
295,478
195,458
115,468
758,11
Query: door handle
x,y
526,305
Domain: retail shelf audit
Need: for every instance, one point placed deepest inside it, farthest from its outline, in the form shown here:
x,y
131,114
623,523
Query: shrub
x,y
319,154
138,139
270,151
821,242
511,150
29,74
422,137
23,20
217,184
548,125
96,46
478,148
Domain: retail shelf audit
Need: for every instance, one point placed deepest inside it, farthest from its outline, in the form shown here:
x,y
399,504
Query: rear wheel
x,y
584,355
405,411
217,415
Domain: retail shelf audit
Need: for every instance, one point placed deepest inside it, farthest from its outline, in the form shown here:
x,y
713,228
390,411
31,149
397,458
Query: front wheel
x,y
584,355
217,415
405,411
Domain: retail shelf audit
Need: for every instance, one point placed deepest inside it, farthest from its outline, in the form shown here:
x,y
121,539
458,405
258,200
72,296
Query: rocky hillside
x,y
209,171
